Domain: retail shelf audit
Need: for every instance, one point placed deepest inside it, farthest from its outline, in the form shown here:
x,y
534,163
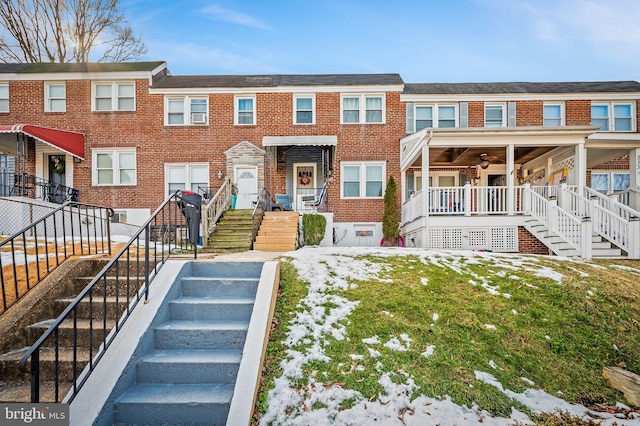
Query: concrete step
x,y
231,237
10,371
189,366
162,404
180,334
87,332
212,309
219,287
114,307
122,286
21,391
244,231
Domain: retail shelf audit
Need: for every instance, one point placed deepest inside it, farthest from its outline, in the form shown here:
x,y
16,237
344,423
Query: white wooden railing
x,y
565,212
561,223
465,201
214,209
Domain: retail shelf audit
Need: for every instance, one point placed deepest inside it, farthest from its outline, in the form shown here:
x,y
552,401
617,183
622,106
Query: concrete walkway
x,y
244,256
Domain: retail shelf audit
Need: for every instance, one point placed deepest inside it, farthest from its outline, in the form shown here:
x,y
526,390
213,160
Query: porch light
x,y
220,175
484,162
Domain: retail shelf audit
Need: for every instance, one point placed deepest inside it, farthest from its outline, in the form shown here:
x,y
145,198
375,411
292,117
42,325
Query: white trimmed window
x,y
494,115
55,97
245,110
613,117
304,109
362,109
4,97
114,96
114,167
362,179
186,110
553,115
435,116
187,177
607,182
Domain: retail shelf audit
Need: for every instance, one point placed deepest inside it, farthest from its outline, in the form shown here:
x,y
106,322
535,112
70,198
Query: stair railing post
x,y
35,376
586,246
552,216
592,213
526,198
146,263
467,199
562,196
634,237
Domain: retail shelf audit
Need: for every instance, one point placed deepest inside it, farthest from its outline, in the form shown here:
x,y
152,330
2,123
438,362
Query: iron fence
x,y
32,252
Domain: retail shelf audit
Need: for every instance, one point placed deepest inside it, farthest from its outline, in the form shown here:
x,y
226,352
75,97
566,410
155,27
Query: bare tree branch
x,y
66,31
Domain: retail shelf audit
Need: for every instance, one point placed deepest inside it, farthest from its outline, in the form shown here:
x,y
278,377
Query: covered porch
x,y
485,188
37,162
300,170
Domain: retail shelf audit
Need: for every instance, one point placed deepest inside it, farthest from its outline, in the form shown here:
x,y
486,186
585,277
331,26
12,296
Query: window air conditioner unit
x,y
198,118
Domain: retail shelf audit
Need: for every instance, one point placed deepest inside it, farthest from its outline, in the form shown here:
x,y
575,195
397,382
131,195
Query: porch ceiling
x,y
461,147
466,157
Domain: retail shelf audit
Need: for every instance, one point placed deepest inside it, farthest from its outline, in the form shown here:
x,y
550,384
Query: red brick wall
x,y
156,144
529,244
529,113
577,112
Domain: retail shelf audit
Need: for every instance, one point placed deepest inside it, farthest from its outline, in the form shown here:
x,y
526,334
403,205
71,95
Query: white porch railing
x,y
615,222
214,209
465,201
576,232
562,210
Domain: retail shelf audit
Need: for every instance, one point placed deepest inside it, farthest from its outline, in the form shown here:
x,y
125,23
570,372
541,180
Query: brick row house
x,y
127,135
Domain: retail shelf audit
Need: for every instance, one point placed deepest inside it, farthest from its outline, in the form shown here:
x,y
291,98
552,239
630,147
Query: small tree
x,y
391,215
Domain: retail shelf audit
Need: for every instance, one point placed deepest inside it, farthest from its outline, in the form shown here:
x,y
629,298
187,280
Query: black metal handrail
x,y
37,249
125,279
263,204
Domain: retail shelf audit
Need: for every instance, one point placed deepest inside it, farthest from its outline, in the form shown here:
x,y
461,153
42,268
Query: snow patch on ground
x,y
299,399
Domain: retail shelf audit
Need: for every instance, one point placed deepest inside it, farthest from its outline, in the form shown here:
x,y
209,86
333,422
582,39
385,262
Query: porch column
x,y
511,174
424,205
580,166
634,178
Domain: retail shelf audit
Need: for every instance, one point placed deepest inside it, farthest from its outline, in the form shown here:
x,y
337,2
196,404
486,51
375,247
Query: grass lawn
x,y
363,335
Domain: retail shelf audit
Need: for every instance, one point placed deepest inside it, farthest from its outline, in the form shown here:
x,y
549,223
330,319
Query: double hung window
x,y
363,180
114,96
186,110
363,109
114,167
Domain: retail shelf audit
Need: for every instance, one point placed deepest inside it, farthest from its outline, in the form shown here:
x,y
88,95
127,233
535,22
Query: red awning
x,y
69,142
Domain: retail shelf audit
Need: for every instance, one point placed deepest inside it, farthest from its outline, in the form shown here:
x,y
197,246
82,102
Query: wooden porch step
x,y
278,232
274,247
276,239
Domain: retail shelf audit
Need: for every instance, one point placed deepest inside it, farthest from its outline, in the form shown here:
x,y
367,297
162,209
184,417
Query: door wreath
x,y
304,179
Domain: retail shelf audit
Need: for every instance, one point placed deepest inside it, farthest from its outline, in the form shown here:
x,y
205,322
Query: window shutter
x,y
511,117
411,125
464,114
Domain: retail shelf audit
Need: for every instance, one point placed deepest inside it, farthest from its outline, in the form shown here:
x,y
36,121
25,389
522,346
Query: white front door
x,y
304,183
247,185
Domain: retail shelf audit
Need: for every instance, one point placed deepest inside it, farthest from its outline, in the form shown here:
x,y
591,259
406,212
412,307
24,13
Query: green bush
x,y
313,228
